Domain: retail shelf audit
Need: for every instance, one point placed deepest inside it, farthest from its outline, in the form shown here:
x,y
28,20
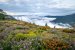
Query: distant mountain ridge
x,y
70,19
3,15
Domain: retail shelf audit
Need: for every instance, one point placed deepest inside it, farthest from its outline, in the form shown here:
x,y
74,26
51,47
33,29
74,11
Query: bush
x,y
19,27
2,16
55,44
19,36
37,45
69,30
31,34
6,45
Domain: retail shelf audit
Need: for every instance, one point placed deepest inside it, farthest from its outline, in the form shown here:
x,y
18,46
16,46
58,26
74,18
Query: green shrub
x,y
69,30
6,45
37,45
31,34
19,36
18,27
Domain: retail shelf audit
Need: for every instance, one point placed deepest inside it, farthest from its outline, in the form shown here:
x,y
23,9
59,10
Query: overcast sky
x,y
52,7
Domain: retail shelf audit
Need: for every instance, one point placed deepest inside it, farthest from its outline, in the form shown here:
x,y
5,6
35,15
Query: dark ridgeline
x,y
3,15
70,19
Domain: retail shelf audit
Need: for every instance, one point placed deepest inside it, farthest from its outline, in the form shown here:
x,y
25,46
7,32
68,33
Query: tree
x,y
1,10
73,26
46,24
2,14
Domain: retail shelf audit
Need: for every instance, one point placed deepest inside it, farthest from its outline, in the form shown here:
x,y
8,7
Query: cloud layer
x,y
54,7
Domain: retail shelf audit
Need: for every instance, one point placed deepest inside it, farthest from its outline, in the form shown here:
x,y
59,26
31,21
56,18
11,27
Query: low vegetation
x,y
19,35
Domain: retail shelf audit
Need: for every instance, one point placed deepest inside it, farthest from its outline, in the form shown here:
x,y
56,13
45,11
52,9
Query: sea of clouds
x,y
41,20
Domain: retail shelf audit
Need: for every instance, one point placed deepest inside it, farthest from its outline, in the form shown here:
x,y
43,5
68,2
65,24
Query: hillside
x,y
19,35
15,35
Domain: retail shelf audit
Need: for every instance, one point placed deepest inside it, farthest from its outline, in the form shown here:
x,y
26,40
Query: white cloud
x,y
4,0
48,6
46,3
62,4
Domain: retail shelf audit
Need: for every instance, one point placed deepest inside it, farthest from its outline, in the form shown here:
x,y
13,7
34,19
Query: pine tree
x,y
46,24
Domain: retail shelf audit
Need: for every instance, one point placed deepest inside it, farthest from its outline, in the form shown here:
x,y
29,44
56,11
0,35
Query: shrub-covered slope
x,y
19,35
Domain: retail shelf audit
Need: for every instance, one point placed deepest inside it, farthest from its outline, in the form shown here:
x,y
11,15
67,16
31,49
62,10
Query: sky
x,y
51,7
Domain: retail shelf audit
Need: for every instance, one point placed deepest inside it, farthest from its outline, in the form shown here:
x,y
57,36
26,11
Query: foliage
x,y
2,14
69,30
55,43
20,35
6,45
